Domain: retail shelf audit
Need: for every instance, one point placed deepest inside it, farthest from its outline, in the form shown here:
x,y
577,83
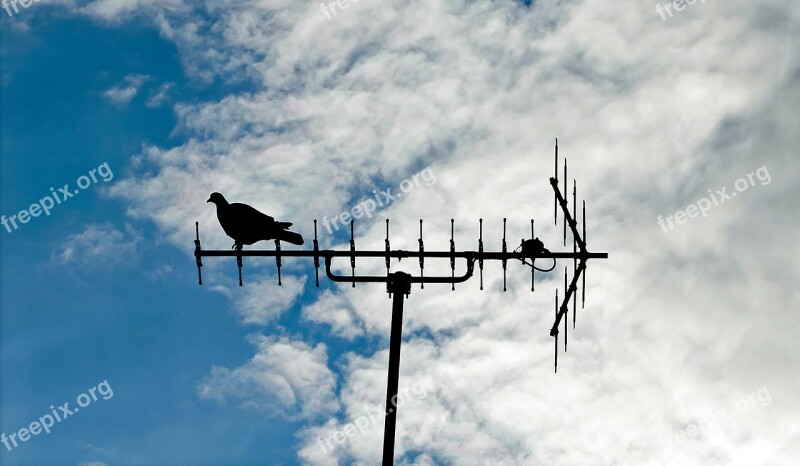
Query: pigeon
x,y
247,225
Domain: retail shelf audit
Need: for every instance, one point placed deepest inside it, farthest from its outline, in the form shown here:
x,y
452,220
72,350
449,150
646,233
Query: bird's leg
x,y
237,245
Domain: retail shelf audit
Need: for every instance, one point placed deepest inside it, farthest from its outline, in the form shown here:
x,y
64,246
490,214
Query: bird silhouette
x,y
247,225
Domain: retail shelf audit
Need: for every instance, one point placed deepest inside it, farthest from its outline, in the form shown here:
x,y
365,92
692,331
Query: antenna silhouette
x,y
398,284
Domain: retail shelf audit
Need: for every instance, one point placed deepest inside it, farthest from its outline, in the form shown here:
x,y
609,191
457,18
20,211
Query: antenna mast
x,y
398,284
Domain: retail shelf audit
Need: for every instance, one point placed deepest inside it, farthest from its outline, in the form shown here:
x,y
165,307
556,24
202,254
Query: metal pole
x,y
399,285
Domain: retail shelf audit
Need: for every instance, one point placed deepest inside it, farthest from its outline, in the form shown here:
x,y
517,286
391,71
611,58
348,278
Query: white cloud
x,y
263,300
99,246
285,377
122,95
118,10
650,114
159,96
337,312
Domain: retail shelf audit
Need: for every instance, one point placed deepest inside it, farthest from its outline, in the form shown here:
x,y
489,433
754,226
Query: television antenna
x,y
398,284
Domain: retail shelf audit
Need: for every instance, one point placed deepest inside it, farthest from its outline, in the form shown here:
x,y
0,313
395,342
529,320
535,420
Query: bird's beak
x,y
209,200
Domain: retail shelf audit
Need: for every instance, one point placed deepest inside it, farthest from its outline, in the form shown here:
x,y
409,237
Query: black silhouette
x,y
398,283
247,225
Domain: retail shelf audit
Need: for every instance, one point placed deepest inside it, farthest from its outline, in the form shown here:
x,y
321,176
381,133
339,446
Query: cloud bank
x,y
651,114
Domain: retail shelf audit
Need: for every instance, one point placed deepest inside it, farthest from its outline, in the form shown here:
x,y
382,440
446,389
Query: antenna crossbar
x,y
399,283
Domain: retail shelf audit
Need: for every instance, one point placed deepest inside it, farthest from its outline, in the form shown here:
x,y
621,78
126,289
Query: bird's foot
x,y
237,246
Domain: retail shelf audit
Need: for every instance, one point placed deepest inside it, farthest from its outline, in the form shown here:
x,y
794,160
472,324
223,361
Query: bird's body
x,y
247,225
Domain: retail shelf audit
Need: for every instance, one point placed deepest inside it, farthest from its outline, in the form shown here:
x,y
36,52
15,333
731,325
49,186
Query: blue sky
x,y
303,116
122,318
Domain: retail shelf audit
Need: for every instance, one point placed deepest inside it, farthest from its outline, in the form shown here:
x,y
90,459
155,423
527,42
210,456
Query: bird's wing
x,y
250,214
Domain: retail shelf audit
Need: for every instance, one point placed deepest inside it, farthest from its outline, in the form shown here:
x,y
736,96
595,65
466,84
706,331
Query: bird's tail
x,y
291,237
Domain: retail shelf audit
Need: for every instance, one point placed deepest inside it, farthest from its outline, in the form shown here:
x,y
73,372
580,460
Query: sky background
x,y
686,353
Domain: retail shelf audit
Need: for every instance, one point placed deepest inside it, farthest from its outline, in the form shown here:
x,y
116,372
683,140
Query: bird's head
x,y
217,199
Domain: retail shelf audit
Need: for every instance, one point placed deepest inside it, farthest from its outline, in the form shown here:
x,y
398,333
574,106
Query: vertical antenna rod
x,y
533,269
555,199
574,248
198,249
316,253
352,250
556,336
566,186
239,263
567,311
278,259
583,277
480,249
388,264
421,257
505,249
452,255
